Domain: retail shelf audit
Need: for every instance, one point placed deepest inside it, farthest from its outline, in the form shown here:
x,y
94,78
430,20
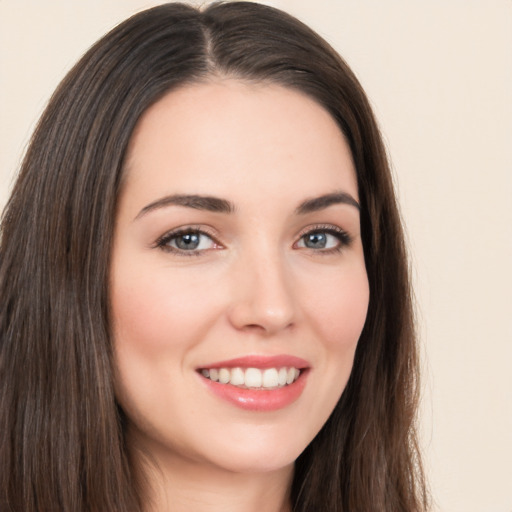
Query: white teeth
x,y
237,377
269,378
253,378
283,374
224,375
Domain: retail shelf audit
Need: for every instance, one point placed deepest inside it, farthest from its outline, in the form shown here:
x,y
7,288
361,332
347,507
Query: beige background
x,y
439,74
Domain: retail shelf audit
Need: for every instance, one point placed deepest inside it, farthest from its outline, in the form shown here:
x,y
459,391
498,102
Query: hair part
x,y
62,436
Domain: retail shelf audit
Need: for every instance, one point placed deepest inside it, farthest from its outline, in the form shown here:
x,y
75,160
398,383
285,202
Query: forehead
x,y
258,135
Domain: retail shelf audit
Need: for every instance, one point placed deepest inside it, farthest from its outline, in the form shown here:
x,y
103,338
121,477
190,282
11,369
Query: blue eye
x,y
318,241
324,239
191,241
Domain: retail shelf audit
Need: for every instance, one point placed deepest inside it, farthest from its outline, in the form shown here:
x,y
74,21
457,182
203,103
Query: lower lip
x,y
259,399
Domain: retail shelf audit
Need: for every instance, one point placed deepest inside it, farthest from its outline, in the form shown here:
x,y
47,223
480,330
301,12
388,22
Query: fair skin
x,y
268,274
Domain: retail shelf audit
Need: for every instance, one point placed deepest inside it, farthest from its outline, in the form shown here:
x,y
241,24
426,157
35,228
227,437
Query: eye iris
x,y
187,241
315,240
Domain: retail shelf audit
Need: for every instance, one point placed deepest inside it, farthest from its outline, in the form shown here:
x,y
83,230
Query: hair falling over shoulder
x,y
62,437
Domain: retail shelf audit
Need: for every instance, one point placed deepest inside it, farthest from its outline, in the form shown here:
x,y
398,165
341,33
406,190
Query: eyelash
x,y
162,243
164,240
345,240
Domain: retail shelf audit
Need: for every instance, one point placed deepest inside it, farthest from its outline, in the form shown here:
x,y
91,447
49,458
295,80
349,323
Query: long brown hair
x,y
62,444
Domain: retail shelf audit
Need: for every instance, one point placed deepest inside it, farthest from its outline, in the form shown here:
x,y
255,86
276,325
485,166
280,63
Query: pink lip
x,y
258,399
262,362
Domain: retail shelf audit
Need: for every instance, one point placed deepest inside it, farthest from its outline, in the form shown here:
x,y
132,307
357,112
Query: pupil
x,y
316,240
188,241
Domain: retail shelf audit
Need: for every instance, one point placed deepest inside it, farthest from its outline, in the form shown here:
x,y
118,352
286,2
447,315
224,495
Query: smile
x,y
257,382
253,378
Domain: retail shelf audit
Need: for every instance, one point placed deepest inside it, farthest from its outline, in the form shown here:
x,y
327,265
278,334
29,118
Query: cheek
x,y
158,319
338,309
337,312
155,312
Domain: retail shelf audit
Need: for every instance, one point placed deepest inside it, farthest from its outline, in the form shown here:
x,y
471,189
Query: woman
x,y
205,299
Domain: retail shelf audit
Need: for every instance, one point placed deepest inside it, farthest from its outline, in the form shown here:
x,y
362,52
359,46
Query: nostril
x,y
262,299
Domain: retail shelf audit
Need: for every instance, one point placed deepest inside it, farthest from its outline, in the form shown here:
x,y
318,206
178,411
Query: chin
x,y
257,453
256,465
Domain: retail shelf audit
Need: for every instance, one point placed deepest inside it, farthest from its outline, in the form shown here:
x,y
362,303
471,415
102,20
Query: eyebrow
x,y
319,203
211,204
218,205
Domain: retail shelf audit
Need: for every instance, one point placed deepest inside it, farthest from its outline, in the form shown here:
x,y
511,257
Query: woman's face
x,y
238,283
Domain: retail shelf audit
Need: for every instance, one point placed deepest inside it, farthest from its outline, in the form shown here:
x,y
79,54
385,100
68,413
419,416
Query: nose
x,y
262,295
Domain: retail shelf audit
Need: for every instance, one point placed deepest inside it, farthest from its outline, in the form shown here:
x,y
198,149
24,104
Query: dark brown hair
x,y
62,444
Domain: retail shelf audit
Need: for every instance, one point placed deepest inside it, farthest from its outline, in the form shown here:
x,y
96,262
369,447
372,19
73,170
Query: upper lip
x,y
260,361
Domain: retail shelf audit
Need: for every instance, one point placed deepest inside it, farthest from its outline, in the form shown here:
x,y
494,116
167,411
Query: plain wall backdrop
x,y
439,75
